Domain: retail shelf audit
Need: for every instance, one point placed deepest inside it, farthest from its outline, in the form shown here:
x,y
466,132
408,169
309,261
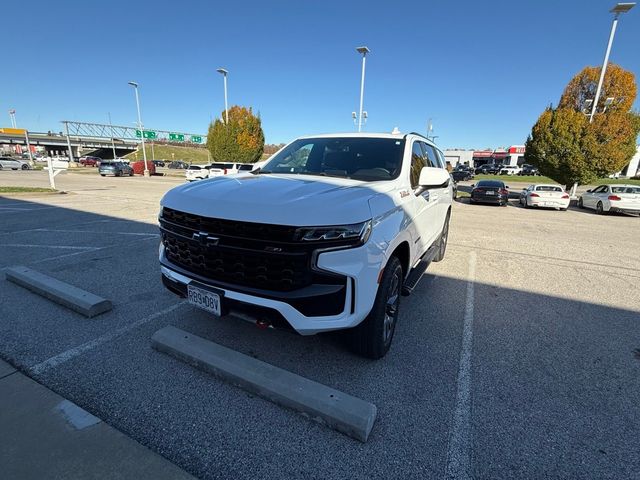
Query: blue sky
x,y
483,70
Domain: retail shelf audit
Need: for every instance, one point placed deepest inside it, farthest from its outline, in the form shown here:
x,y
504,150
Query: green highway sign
x,y
176,137
196,138
149,134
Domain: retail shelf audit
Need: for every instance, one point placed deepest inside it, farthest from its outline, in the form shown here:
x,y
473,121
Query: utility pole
x,y
617,11
224,73
113,145
363,50
144,152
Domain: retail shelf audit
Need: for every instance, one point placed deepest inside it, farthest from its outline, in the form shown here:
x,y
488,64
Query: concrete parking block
x,y
336,409
5,369
60,292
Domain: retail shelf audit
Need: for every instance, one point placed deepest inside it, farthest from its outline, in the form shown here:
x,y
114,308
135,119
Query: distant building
x,y
633,169
455,156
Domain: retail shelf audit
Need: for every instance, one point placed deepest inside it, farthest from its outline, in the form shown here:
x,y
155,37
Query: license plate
x,y
204,299
491,193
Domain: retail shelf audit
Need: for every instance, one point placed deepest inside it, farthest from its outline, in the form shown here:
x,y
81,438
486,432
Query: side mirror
x,y
431,177
507,186
588,191
473,185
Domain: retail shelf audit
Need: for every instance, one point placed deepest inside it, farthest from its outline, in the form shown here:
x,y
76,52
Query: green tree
x,y
569,149
242,140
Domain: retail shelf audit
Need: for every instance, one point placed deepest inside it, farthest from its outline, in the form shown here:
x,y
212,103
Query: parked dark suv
x,y
460,174
529,170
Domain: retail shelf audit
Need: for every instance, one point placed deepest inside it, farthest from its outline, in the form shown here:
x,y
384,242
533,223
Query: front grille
x,y
240,253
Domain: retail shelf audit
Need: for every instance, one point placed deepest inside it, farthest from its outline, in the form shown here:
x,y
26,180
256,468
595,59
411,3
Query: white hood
x,y
299,200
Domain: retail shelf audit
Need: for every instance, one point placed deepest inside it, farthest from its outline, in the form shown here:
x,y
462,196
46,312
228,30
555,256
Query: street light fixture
x,y
362,50
140,127
224,73
617,11
12,115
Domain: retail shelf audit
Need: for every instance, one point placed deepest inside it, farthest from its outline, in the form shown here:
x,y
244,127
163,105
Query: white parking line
x,y
80,349
95,249
68,247
460,439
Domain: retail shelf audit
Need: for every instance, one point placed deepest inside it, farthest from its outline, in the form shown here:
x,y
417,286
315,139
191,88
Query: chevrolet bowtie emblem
x,y
204,238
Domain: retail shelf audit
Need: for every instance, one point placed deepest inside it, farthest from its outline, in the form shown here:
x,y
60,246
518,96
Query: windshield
x,y
548,188
367,159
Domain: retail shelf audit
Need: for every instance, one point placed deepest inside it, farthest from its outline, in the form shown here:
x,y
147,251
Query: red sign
x,y
516,149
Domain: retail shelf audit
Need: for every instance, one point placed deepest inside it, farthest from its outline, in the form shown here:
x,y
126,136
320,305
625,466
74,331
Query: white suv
x,y
325,236
510,170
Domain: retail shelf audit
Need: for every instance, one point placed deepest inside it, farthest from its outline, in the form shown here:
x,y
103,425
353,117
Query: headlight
x,y
359,232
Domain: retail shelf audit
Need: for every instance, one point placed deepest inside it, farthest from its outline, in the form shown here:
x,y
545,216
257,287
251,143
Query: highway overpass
x,y
99,139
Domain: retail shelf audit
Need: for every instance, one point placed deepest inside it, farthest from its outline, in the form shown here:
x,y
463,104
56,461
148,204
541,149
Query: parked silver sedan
x,y
545,196
9,163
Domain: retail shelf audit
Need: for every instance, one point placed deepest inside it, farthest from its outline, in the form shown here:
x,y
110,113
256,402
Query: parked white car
x,y
612,198
546,196
8,163
326,236
510,170
197,172
219,169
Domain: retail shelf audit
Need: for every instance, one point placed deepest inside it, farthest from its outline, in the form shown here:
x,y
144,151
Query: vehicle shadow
x,y
546,370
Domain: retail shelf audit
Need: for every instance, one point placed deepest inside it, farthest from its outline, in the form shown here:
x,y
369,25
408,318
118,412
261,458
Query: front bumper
x,y
303,310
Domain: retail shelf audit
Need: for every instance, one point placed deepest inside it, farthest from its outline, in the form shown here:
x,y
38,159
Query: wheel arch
x,y
403,252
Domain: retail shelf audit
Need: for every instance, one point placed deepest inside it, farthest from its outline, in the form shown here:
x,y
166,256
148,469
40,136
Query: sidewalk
x,y
45,436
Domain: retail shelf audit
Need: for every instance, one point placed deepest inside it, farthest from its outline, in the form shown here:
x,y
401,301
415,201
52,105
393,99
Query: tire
x,y
1,166
372,338
600,209
526,203
25,167
102,174
442,241
580,204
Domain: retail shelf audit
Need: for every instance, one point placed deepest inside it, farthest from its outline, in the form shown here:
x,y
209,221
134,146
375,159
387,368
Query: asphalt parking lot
x,y
518,356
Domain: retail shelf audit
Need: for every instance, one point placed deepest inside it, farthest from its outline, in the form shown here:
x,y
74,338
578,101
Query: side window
x,y
600,189
441,160
417,163
430,155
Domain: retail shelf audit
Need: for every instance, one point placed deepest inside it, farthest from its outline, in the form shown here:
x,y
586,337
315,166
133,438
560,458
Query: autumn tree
x,y
565,146
241,140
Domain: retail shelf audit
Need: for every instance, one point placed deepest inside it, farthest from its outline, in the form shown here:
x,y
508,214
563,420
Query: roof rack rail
x,y
420,135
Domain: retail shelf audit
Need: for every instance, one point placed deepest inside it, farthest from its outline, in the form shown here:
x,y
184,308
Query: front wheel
x,y
580,204
442,241
25,167
372,338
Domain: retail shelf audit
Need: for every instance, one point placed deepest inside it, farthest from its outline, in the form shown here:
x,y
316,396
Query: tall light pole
x,y
363,50
113,145
12,115
617,10
144,152
224,73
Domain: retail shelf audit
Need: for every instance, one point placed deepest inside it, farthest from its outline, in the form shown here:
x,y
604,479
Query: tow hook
x,y
262,324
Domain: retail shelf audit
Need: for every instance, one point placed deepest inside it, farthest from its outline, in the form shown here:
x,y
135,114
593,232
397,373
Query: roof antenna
x,y
395,131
